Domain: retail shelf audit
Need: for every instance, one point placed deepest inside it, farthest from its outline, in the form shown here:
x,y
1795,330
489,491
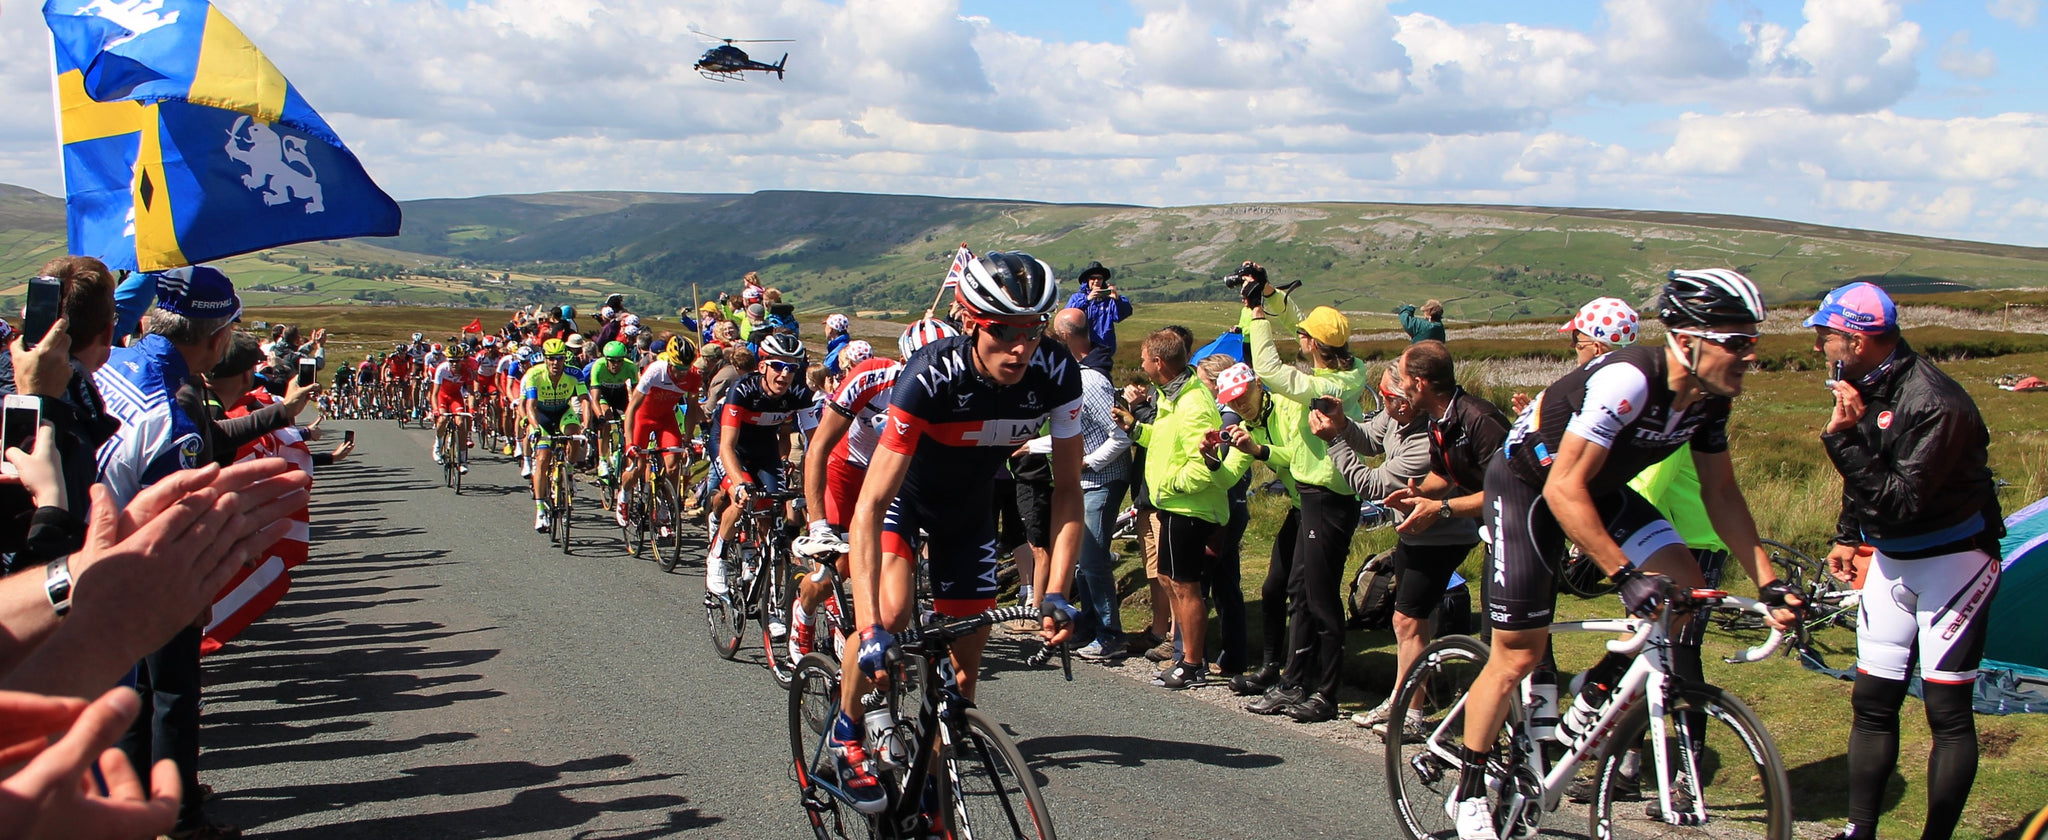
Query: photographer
x,y
1105,307
1326,507
1429,327
1912,450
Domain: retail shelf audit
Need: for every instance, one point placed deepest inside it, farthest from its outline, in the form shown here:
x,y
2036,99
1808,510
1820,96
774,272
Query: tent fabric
x,y
2017,636
1229,344
2001,690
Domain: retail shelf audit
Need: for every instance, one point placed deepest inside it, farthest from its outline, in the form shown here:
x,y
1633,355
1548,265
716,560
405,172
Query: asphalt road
x,y
440,670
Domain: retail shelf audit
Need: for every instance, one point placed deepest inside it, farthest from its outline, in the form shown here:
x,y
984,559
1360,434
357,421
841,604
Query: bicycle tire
x,y
726,619
1764,811
565,502
668,507
813,706
992,790
634,532
776,602
1422,776
447,459
1579,575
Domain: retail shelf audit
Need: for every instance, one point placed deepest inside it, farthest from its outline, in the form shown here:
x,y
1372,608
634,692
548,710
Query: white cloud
x,y
2022,13
1958,59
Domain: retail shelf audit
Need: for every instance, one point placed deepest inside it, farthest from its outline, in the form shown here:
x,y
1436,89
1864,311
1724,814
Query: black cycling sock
x,y
1472,777
1952,763
1873,748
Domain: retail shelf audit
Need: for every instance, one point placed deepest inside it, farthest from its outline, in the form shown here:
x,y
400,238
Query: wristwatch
x,y
1443,510
57,584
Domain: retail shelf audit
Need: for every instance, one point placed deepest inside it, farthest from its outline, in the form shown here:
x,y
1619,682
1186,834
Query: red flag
x,y
476,326
252,592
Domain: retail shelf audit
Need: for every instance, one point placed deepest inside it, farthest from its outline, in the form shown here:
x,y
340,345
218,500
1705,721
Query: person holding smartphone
x,y
1105,307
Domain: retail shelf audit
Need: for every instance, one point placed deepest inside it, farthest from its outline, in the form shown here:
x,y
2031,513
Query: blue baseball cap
x,y
198,292
1861,308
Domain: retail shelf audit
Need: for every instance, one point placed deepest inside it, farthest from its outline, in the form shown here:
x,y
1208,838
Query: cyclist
x,y
1563,474
661,406
962,405
611,380
397,375
552,398
758,412
454,383
843,444
511,364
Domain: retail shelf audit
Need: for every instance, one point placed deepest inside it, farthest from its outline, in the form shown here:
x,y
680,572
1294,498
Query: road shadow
x,y
1074,751
1820,789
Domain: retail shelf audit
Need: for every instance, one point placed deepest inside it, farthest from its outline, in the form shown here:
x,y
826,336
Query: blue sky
x,y
1909,115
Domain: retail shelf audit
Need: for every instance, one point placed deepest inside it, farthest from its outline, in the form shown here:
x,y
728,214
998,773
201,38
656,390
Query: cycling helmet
x,y
1607,320
457,351
678,352
397,348
1008,284
568,312
855,352
417,337
615,350
553,348
922,333
836,322
782,346
1699,297
438,348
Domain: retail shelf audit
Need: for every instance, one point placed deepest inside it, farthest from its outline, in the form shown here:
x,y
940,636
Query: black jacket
x,y
81,422
1465,442
1915,479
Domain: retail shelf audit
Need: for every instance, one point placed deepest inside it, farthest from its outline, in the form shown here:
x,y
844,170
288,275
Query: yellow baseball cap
x,y
1327,326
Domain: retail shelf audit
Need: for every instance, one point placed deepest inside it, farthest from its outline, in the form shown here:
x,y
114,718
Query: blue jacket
x,y
1102,316
140,383
832,347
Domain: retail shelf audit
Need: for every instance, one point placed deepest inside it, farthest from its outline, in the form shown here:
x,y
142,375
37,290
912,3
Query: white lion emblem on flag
x,y
278,166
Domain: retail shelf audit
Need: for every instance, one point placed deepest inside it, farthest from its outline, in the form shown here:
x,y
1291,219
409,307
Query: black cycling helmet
x,y
782,346
1700,297
1008,284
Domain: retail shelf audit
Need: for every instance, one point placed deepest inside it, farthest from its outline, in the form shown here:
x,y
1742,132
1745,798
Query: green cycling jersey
x,y
553,395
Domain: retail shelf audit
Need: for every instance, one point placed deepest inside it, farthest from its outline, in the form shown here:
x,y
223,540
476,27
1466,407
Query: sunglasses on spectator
x,y
1737,343
780,366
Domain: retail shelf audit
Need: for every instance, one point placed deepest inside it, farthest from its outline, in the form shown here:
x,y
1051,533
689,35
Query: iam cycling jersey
x,y
660,394
753,419
959,428
1622,402
610,386
553,398
510,370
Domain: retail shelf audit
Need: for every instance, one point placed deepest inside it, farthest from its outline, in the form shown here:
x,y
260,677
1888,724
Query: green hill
x,y
884,252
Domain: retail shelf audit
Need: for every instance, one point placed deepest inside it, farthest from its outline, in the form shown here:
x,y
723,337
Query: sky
x,y
1926,117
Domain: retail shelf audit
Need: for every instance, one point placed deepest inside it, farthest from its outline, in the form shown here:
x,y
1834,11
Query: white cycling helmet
x,y
922,333
1008,285
782,346
1709,296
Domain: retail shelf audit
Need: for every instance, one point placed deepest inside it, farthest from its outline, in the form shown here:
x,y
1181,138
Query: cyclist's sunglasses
x,y
1737,343
1010,333
780,366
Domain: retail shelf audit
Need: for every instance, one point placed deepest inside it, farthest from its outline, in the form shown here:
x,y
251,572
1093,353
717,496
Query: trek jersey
x,y
1621,401
553,396
752,420
863,398
960,427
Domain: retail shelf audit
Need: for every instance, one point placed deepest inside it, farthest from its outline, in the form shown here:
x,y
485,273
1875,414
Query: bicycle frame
x,y
1648,677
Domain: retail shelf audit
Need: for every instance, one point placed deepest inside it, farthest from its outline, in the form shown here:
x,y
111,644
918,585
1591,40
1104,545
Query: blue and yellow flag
x,y
183,143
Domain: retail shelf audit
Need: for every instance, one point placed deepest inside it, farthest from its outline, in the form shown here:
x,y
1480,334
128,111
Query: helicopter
x,y
725,62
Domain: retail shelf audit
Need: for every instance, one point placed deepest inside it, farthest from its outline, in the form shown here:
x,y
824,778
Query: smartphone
x,y
348,436
19,417
45,302
1327,405
1836,369
307,370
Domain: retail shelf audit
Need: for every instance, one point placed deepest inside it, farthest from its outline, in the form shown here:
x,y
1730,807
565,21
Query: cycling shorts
x,y
1942,604
767,480
1520,590
449,402
551,423
661,424
960,544
842,491
613,398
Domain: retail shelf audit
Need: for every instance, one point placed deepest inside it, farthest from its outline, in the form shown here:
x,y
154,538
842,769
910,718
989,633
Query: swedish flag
x,y
183,143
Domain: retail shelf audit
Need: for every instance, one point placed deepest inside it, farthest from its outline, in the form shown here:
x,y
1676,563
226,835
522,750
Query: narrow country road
x,y
440,671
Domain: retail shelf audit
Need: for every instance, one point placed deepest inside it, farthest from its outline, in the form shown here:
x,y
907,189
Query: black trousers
x,y
168,725
1315,600
1225,587
1274,610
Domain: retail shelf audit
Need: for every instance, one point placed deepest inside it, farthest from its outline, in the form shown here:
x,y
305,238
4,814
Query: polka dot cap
x,y
1606,320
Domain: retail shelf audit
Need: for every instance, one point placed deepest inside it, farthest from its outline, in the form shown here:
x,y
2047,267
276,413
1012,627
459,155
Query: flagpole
x,y
942,288
696,306
57,112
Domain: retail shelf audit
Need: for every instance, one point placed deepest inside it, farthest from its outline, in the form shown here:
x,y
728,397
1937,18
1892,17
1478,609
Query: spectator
x,y
836,337
1189,473
188,332
1153,642
1105,477
1916,487
1429,327
1105,306
1424,559
1230,381
1325,513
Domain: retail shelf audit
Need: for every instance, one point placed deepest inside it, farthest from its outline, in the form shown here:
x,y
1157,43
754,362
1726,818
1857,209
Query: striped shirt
x,y
1106,447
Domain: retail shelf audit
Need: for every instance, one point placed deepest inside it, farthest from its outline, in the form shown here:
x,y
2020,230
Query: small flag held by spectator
x,y
475,326
959,268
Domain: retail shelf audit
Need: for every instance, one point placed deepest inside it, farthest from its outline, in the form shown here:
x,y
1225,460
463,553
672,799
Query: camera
x,y
1249,281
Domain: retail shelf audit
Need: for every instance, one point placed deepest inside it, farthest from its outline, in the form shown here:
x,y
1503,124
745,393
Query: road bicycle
x,y
759,583
611,458
561,487
950,770
454,455
1716,770
653,507
1829,602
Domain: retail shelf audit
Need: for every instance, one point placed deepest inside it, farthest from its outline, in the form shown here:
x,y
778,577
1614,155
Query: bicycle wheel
x,y
726,619
668,512
634,532
565,502
813,705
1734,763
775,604
1583,577
992,790
447,459
1423,765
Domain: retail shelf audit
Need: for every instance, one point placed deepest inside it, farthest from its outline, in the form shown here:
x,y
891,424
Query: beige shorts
x,y
1148,541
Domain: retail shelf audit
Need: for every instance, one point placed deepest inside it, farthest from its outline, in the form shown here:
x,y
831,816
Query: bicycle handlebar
x,y
950,630
1709,599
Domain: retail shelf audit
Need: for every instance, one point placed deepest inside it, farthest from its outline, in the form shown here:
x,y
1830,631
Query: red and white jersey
x,y
661,390
452,379
863,398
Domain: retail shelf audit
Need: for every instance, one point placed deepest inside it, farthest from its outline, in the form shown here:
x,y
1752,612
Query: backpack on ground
x,y
1372,594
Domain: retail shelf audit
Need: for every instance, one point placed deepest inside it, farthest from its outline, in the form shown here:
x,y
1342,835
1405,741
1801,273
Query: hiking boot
x,y
1256,682
1183,676
1627,788
1315,709
1162,652
1276,698
1144,641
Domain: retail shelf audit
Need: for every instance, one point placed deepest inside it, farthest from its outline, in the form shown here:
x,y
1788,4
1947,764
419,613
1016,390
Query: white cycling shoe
x,y
1475,818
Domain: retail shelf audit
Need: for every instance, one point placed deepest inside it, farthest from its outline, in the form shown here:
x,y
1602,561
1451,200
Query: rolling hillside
x,y
883,252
